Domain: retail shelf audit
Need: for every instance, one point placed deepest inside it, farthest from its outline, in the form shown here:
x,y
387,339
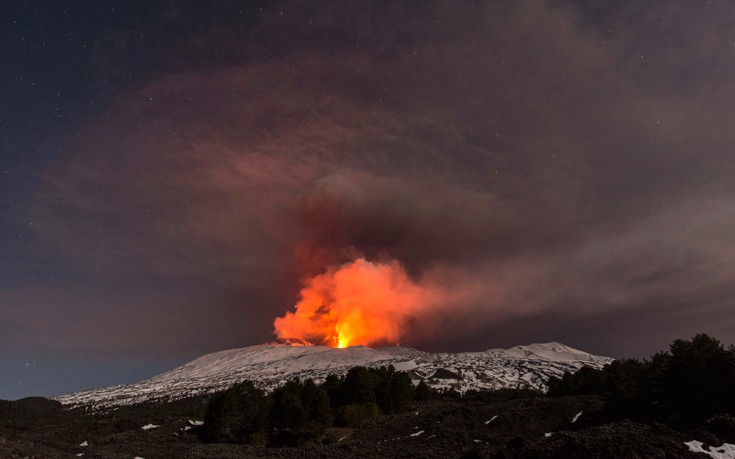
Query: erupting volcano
x,y
358,303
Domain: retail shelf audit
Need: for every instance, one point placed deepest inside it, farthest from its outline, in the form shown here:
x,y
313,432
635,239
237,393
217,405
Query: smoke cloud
x,y
544,170
358,303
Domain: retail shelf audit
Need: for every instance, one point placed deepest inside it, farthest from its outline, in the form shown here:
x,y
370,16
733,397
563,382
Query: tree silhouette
x,y
694,380
236,415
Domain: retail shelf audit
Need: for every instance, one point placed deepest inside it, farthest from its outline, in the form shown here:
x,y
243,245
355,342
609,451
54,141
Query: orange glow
x,y
359,303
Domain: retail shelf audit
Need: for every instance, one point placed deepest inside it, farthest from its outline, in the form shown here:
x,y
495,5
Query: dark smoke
x,y
569,165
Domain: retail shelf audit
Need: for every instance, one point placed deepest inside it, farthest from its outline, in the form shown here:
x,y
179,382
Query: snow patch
x,y
149,427
270,365
84,443
196,423
576,417
416,434
548,434
726,451
492,419
555,352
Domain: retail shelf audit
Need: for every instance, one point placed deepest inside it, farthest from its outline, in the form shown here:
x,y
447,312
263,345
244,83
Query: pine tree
x,y
236,415
316,402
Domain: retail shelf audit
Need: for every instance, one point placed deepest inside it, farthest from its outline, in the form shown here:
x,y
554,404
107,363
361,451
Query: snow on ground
x,y
553,351
84,443
149,427
491,419
416,434
576,417
726,451
270,365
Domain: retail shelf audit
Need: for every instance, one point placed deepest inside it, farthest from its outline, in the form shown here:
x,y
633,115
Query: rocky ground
x,y
489,426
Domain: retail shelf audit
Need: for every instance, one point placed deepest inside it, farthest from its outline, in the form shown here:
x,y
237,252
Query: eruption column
x,y
358,303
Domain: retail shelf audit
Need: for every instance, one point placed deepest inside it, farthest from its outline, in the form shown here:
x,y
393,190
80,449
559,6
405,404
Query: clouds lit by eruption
x,y
358,303
533,170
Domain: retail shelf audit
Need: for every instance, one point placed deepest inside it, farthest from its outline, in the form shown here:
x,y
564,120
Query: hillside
x,y
270,365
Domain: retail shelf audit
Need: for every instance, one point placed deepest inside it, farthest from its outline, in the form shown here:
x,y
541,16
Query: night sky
x,y
171,171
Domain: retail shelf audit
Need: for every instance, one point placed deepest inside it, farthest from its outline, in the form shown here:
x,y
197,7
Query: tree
x,y
333,387
297,412
694,380
700,377
353,414
236,415
402,392
316,403
423,392
287,412
288,417
359,386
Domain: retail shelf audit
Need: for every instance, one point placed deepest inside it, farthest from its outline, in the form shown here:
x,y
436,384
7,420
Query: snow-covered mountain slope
x,y
271,364
551,351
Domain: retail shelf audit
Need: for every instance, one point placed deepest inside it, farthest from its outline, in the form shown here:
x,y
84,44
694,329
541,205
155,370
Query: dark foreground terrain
x,y
628,409
507,424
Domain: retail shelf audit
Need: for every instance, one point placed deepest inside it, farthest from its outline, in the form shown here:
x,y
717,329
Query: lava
x,y
358,303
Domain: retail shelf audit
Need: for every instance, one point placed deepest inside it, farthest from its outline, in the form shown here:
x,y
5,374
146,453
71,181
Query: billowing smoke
x,y
358,303
527,171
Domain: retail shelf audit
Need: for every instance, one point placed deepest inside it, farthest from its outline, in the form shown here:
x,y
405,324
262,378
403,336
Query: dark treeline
x,y
693,381
300,411
29,411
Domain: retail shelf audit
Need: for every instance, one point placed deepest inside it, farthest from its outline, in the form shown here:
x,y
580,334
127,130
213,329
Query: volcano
x,y
271,364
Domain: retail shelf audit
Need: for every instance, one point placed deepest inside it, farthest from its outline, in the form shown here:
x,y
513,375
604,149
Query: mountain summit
x,y
271,364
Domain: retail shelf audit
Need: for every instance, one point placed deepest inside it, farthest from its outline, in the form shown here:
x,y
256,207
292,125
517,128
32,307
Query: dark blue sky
x,y
171,171
47,80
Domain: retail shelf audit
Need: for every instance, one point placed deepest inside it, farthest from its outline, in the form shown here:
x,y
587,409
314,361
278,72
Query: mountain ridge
x,y
270,364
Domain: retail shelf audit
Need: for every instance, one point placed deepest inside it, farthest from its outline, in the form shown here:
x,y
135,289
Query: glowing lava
x,y
358,303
